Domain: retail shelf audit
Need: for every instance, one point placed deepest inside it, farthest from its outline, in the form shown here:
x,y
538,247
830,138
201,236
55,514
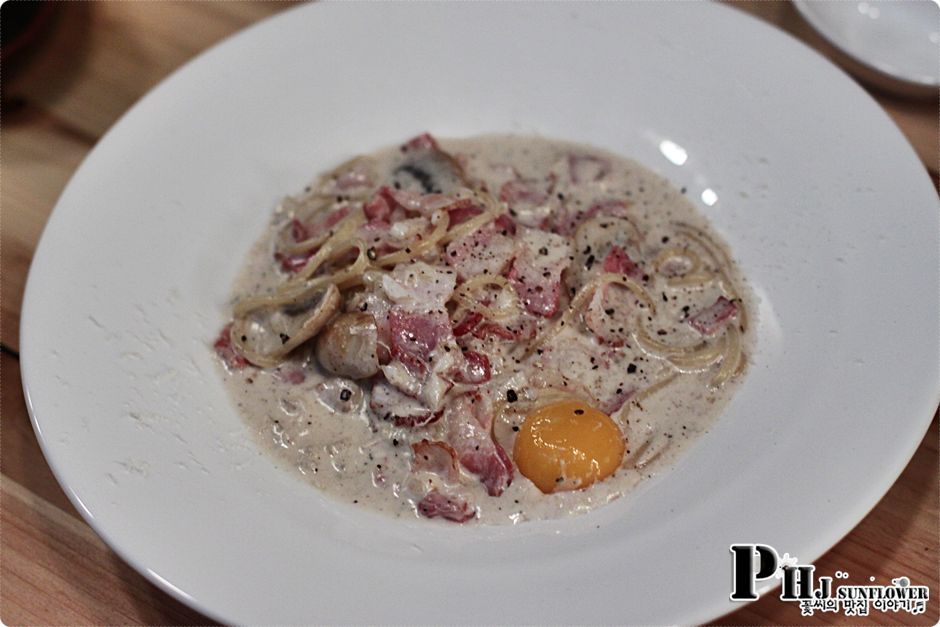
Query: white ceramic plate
x,y
898,41
825,205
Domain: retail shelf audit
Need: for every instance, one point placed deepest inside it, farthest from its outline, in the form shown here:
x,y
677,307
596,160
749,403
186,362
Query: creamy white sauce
x,y
313,429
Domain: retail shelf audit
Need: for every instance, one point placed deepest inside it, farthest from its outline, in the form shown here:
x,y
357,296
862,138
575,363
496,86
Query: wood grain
x,y
94,62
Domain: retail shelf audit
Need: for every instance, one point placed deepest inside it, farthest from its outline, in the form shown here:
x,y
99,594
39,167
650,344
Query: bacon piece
x,y
521,193
435,457
294,376
401,233
536,271
528,204
484,251
619,262
468,324
419,287
422,141
450,507
414,337
492,328
539,296
318,226
426,204
600,379
358,175
377,234
587,168
567,221
387,199
469,423
523,328
413,201
711,320
609,315
611,208
416,421
227,352
387,403
505,225
461,212
616,400
298,232
379,207
293,263
476,369
499,174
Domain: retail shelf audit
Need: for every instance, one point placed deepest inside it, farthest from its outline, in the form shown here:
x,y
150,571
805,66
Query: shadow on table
x,y
154,606
50,57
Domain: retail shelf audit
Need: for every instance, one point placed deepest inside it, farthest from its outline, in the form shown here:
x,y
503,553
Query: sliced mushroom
x,y
267,332
429,170
349,346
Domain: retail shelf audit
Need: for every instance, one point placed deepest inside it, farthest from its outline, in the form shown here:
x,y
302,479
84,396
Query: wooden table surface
x,y
90,64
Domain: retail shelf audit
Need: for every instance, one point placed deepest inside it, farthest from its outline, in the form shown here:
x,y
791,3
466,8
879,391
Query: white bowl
x,y
893,45
826,207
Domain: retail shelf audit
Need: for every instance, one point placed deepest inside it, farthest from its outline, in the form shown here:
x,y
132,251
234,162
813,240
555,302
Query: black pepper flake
x,y
661,332
683,190
631,368
665,298
511,396
371,254
578,412
665,239
543,251
284,338
394,441
363,306
345,395
590,262
515,427
609,311
244,338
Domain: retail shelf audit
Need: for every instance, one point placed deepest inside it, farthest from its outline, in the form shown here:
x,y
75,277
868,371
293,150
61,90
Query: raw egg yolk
x,y
568,445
